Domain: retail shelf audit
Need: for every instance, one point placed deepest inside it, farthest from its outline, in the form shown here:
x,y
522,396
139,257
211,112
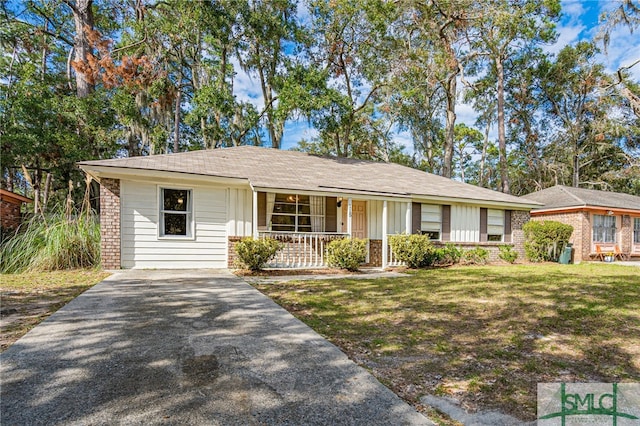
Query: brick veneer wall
x,y
10,214
110,223
626,234
518,219
581,236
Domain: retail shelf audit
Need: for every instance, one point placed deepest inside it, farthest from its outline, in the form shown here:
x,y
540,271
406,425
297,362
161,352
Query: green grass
x,y
29,298
485,335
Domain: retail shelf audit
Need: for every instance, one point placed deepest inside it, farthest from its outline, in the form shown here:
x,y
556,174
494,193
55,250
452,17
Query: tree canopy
x,y
92,79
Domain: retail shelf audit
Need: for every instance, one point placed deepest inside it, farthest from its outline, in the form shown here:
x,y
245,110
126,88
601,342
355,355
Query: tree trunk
x,y
83,20
176,124
502,139
47,190
483,157
449,127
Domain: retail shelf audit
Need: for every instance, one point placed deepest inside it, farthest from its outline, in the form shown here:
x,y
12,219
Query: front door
x,y
358,219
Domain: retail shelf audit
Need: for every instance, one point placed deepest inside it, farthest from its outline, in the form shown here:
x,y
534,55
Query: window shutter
x,y
507,226
483,224
446,223
416,217
262,210
331,214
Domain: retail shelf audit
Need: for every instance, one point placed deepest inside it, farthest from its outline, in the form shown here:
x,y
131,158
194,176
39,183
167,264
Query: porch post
x,y
255,214
349,214
408,219
384,235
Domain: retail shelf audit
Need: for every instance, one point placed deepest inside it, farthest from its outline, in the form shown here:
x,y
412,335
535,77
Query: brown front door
x,y
358,219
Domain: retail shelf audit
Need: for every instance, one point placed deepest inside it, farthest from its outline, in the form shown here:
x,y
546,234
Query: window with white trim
x,y
636,230
295,213
604,228
176,213
431,221
495,225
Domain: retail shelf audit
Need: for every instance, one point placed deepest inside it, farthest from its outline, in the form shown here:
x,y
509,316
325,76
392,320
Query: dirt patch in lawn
x,y
482,335
28,299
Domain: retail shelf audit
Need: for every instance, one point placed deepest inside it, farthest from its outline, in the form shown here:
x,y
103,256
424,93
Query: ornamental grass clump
x,y
51,242
255,254
347,253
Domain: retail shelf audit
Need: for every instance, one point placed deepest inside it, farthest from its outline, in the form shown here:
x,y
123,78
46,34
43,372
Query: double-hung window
x,y
636,230
495,225
604,228
176,213
431,221
295,213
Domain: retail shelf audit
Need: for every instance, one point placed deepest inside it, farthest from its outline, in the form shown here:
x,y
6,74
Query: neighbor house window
x,y
431,221
495,225
295,213
604,228
176,212
636,230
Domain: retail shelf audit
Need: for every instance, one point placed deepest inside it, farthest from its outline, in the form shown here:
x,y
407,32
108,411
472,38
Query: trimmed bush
x,y
449,254
347,253
415,250
255,254
476,256
507,254
545,240
53,242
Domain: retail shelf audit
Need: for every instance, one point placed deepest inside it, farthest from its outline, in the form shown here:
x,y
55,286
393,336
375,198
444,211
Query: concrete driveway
x,y
186,348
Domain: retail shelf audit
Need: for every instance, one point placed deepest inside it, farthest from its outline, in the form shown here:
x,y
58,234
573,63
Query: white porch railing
x,y
392,260
300,249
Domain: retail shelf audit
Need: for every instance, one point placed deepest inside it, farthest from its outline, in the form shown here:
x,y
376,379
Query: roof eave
x,y
101,171
479,202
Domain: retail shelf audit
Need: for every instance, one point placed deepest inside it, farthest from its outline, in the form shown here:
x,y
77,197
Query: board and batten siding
x,y
239,212
140,245
465,223
396,218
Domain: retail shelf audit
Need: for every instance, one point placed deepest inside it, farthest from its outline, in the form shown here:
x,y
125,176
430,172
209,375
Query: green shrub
x,y
255,254
544,241
53,242
347,253
449,254
507,254
415,250
476,256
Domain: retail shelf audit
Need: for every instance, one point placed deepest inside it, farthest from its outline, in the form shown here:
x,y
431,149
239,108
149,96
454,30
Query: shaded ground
x,y
483,335
186,348
29,298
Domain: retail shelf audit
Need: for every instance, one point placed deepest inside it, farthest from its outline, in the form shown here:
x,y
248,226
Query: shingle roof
x,y
278,169
565,196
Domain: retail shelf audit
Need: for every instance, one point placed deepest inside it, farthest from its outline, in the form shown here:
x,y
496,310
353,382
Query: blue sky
x,y
580,21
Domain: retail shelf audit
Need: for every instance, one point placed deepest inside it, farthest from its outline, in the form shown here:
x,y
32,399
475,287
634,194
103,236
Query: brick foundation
x,y
110,223
375,253
232,256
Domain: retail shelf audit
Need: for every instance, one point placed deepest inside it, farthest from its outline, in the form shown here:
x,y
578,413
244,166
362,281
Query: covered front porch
x,y
306,223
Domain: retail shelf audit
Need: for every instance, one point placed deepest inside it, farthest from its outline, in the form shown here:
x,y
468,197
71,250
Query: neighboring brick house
x,y
189,210
597,217
11,209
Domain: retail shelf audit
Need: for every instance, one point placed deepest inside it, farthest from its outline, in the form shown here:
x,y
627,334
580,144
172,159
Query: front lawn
x,y
29,298
484,335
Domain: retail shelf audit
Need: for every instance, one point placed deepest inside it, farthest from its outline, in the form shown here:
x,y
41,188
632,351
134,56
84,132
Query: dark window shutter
x,y
331,215
507,226
262,210
446,223
483,225
416,217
